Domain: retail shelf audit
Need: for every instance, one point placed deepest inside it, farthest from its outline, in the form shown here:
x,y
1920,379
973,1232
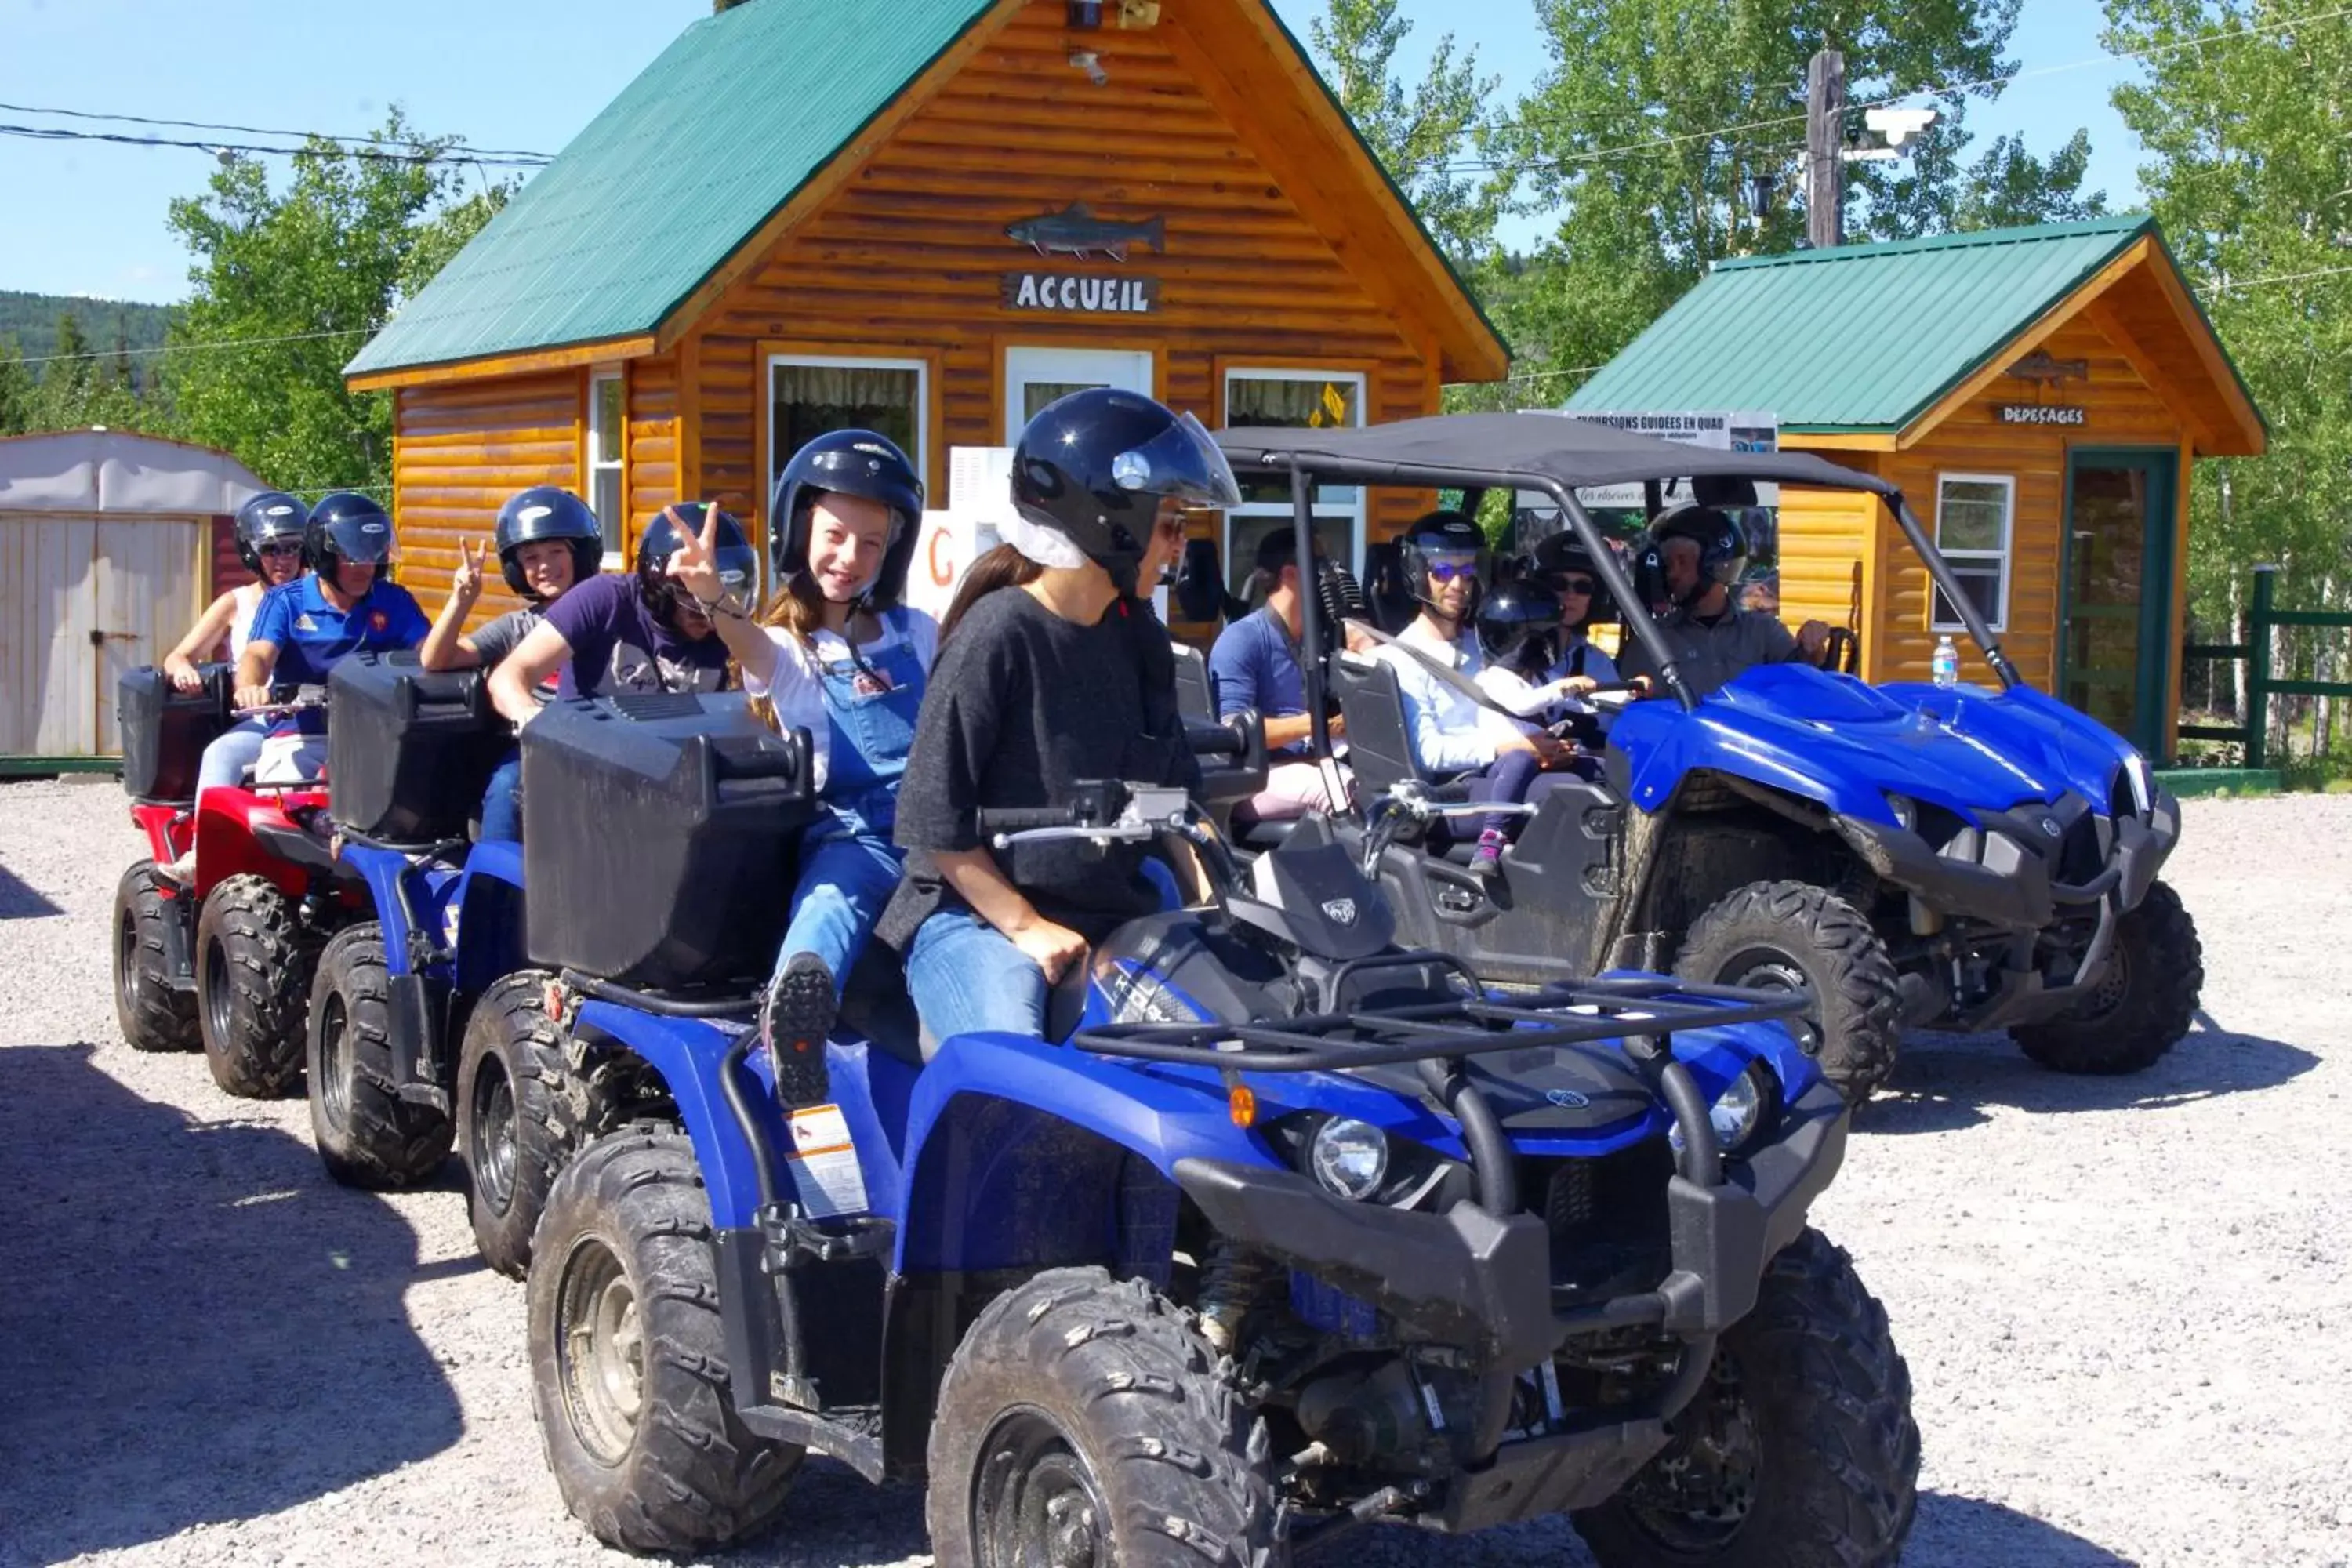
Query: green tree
x,y
1666,135
302,277
1420,136
17,390
79,387
2250,172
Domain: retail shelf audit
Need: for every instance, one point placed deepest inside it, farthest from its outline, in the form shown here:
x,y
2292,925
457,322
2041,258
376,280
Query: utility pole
x,y
1824,150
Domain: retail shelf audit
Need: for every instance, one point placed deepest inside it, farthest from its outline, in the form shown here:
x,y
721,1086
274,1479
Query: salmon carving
x,y
1076,231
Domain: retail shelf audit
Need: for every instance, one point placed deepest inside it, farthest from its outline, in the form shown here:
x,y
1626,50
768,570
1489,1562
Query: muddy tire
x,y
2140,1007
629,1363
154,1014
1083,1419
513,1130
254,963
1782,935
1800,1449
367,1136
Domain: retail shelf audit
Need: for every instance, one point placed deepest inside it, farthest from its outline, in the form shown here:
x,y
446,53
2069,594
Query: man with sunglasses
x,y
1444,558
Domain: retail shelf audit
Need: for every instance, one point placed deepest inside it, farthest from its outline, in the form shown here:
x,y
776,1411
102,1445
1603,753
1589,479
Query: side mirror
x,y
1200,591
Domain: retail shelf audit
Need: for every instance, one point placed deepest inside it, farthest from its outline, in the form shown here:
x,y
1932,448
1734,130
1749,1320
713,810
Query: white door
x,y
1034,377
83,599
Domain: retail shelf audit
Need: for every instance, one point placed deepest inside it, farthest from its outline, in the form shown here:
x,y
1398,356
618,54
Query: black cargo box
x,y
166,731
409,751
660,833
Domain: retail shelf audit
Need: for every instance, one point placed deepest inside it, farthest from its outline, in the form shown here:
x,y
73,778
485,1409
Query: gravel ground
x,y
2125,1302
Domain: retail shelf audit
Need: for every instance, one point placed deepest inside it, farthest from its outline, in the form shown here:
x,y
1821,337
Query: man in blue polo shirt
x,y
305,627
1255,665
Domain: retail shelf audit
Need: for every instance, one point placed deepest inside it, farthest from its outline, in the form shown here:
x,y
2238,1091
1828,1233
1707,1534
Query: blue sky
x,y
87,217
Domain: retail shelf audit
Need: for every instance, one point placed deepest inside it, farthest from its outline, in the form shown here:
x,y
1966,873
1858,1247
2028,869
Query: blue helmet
x,y
345,526
853,463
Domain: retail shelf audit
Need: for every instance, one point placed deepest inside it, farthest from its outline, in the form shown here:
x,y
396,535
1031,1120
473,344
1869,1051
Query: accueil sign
x,y
1077,293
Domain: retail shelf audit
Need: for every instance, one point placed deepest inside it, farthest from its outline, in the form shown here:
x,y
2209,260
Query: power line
x,y
123,139
194,348
2277,278
259,129
1945,90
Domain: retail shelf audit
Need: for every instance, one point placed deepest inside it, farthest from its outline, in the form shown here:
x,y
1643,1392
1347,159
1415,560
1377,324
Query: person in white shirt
x,y
269,544
841,658
1452,733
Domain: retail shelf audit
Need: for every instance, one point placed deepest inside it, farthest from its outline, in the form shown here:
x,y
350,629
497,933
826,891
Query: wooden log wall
x,y
459,450
906,260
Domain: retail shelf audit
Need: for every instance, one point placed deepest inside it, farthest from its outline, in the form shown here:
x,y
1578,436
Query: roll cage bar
x,y
1308,468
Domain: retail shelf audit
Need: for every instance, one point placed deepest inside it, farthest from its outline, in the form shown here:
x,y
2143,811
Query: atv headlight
x,y
1349,1157
1743,1113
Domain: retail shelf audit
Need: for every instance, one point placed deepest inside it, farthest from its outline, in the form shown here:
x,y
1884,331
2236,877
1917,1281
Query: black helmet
x,y
739,563
1561,556
850,463
1092,467
271,515
1516,623
1722,545
548,511
1443,534
348,527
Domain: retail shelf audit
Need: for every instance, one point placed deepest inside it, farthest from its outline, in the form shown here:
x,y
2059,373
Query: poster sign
x,y
1080,294
1715,431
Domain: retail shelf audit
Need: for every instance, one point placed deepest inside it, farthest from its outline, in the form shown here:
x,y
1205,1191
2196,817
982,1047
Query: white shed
x,y
106,549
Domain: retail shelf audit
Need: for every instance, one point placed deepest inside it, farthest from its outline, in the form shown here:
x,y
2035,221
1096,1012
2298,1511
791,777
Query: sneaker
x,y
794,1019
1487,861
181,870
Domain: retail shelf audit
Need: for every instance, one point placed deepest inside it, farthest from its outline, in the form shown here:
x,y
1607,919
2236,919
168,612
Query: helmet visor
x,y
738,570
365,540
1180,461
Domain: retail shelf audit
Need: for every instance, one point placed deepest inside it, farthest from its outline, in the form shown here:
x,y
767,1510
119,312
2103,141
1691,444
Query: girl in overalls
x,y
840,657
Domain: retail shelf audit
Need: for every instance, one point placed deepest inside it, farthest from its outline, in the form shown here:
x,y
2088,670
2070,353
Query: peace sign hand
x,y
695,563
466,582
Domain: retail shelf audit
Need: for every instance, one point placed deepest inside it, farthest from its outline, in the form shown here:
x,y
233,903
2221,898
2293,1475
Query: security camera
x,y
1899,125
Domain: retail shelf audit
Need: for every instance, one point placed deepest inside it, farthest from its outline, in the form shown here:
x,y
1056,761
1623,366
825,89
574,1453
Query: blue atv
x,y
1949,858
1292,1231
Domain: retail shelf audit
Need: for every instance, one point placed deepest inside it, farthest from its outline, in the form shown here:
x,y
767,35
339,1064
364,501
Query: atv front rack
x,y
1644,1013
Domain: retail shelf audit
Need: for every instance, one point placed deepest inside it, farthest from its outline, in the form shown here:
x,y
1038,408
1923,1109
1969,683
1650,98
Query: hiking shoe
x,y
794,1019
1487,861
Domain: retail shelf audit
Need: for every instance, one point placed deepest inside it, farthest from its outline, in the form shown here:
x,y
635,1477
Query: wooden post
x,y
1824,144
2257,667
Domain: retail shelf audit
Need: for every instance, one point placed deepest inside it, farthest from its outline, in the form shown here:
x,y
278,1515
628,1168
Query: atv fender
x,y
481,922
1014,1149
409,896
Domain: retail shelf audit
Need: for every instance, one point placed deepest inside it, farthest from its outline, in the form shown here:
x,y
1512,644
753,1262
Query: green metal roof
x,y
1860,337
659,189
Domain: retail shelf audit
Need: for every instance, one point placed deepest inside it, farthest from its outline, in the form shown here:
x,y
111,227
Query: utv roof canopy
x,y
1486,449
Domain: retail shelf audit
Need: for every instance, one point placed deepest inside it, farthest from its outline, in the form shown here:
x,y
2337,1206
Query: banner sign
x,y
1717,431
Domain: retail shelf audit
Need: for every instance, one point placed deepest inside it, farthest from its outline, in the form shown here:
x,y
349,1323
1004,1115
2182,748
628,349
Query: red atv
x,y
225,955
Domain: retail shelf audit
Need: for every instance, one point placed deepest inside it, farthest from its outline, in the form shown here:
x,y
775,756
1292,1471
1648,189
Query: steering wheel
x,y
1842,654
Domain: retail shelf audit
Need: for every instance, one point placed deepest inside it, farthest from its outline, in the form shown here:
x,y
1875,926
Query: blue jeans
x,y
846,879
966,976
502,803
236,749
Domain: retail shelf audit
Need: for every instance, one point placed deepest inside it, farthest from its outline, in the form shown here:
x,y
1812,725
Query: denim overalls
x,y
848,865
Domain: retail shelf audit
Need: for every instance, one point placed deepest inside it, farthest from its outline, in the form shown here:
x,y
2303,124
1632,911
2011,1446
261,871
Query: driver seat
x,y
1380,742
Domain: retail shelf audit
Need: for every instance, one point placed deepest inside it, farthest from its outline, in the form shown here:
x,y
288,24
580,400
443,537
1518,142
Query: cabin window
x,y
607,441
1291,399
1973,512
810,394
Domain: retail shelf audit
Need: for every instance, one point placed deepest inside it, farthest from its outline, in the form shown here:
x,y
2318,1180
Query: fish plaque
x,y
1075,231
1081,294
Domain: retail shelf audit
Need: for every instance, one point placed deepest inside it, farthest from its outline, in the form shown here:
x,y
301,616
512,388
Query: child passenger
x,y
840,657
546,540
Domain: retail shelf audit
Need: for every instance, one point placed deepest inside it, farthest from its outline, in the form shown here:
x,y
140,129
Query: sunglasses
x,y
1572,586
281,548
1447,570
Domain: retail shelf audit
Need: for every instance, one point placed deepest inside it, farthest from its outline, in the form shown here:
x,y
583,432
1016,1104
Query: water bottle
x,y
1946,664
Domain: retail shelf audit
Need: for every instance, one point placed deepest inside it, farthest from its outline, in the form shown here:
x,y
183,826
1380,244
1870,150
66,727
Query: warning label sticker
x,y
824,1164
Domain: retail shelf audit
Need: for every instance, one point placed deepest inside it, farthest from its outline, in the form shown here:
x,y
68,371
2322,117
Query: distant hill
x,y
32,320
